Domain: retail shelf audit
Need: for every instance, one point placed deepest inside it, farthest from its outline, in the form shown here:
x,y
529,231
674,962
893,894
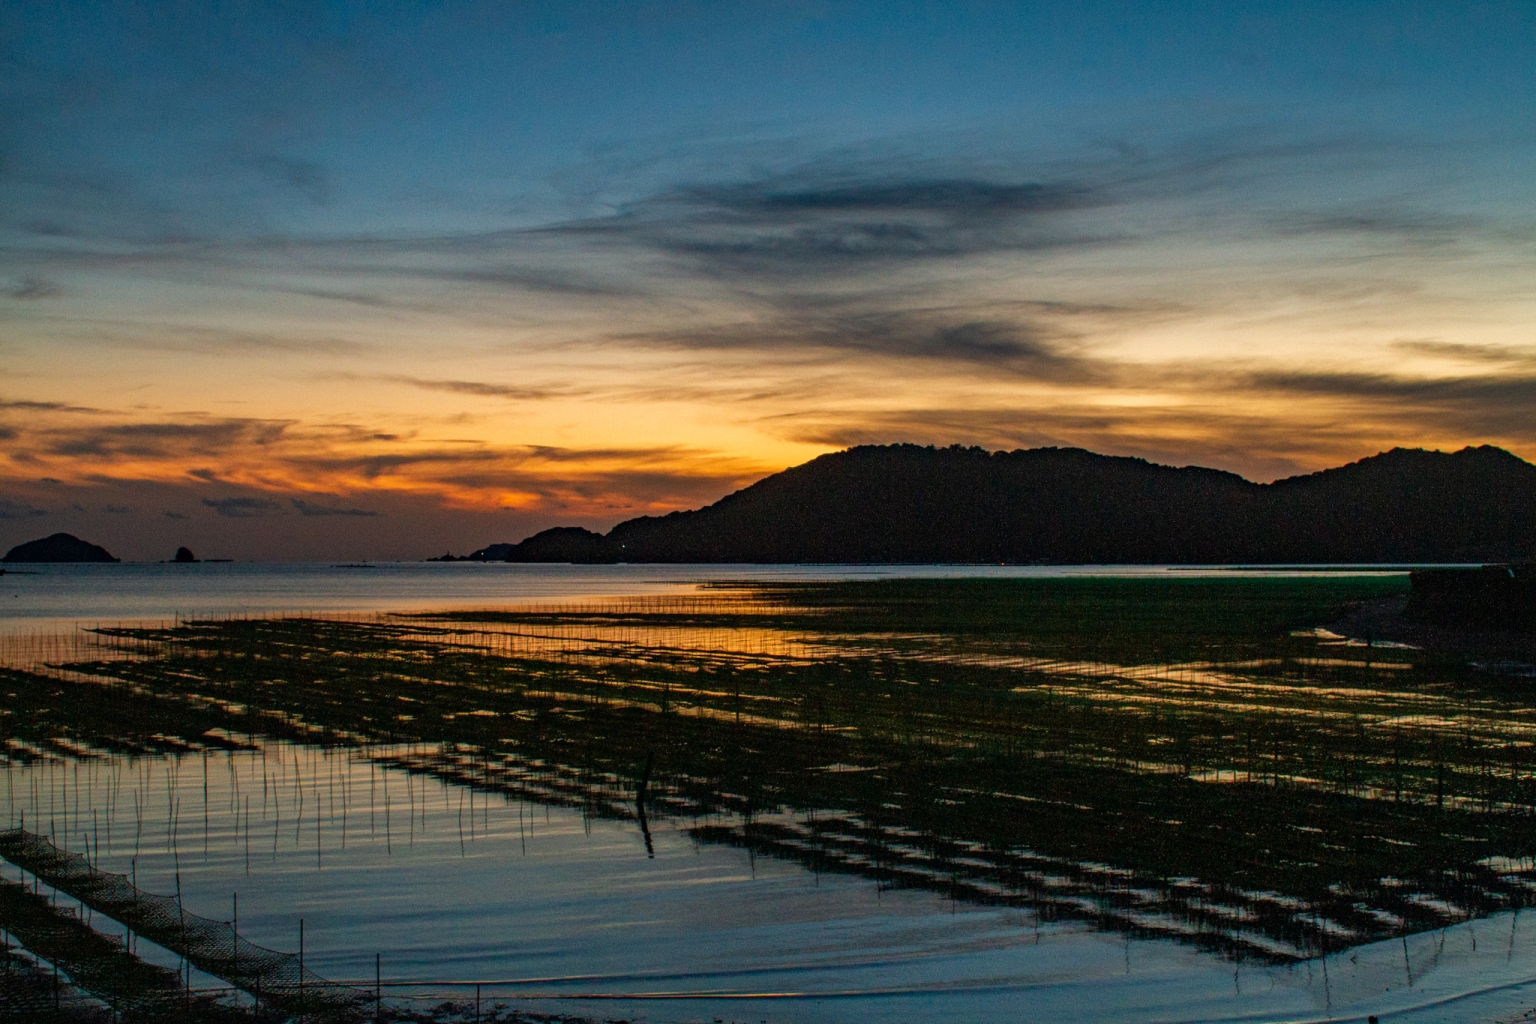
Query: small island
x,y
60,547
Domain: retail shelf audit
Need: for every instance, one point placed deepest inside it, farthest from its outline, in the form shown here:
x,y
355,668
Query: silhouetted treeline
x,y
906,503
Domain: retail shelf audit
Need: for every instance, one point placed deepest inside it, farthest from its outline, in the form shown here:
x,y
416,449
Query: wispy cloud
x,y
306,177
485,389
796,226
243,507
159,440
308,508
26,406
1468,353
1037,294
218,341
19,510
1470,406
283,462
1030,340
30,288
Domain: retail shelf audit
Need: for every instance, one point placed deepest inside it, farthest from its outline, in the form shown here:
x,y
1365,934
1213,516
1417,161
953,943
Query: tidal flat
x,y
1129,799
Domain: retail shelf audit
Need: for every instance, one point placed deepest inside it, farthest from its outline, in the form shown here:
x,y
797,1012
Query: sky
x,y
309,281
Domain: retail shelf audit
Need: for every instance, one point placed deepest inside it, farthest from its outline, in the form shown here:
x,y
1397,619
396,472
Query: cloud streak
x,y
1037,349
30,289
243,507
19,510
793,227
160,440
308,508
484,389
285,462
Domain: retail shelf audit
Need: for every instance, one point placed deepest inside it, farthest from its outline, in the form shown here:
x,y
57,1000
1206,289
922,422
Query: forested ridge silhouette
x,y
907,503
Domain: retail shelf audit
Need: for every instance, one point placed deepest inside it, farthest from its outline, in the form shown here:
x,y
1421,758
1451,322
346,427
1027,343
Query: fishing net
x,y
29,993
214,947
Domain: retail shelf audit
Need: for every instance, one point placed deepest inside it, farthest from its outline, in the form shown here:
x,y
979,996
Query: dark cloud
x,y
33,288
666,476
217,341
669,454
8,433
1255,445
19,510
1400,228
499,461
961,197
1483,406
549,280
1367,222
173,515
47,229
243,508
1468,353
481,389
354,298
836,216
371,467
1035,340
305,177
46,407
828,225
1515,389
796,225
162,440
306,508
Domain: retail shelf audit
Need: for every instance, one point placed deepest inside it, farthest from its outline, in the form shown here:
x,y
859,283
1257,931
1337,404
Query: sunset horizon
x,y
385,282
283,531
797,512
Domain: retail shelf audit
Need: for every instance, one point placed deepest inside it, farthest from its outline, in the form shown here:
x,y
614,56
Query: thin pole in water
x,y
301,961
181,911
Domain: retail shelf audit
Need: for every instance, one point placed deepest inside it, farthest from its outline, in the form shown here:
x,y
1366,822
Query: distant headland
x,y
61,547
912,504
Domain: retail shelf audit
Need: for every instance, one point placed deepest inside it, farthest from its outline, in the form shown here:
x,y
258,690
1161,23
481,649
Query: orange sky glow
x,y
353,305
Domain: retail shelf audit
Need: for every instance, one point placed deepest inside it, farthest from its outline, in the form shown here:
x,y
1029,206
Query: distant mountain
x,y
910,504
489,553
61,547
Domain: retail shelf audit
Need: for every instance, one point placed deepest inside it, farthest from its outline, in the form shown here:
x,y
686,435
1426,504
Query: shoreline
x,y
1385,619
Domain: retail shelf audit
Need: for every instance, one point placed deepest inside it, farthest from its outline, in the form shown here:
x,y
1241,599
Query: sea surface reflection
x,y
1067,799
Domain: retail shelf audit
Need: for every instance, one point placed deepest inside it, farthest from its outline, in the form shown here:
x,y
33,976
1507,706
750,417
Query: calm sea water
x,y
44,596
559,912
556,910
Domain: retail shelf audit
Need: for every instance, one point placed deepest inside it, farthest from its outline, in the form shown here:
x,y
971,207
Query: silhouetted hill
x,y
1408,505
905,503
565,544
61,547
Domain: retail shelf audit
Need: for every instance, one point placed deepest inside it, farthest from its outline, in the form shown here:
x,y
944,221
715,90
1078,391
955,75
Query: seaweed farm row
x,y
1195,760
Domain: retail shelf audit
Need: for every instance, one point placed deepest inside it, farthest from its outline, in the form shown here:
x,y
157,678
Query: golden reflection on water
x,y
999,766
